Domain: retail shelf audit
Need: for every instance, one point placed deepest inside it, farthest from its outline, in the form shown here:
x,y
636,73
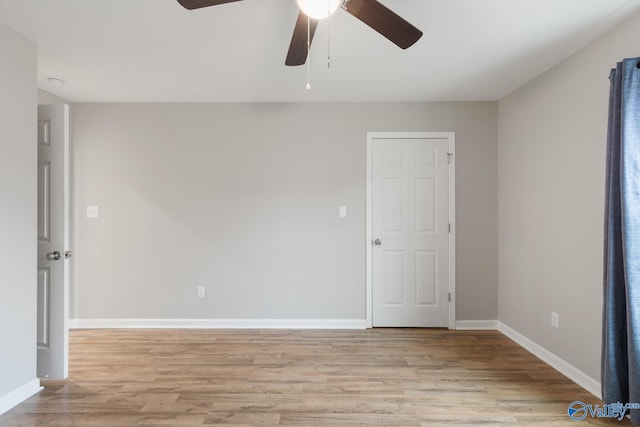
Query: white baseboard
x,y
565,368
476,325
19,395
218,323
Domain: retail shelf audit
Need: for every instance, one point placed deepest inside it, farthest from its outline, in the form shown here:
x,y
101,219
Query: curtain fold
x,y
621,308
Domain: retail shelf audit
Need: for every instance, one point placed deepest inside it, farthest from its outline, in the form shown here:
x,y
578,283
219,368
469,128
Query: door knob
x,y
53,256
377,242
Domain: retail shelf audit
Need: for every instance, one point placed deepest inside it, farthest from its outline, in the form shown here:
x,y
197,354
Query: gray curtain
x,y
621,311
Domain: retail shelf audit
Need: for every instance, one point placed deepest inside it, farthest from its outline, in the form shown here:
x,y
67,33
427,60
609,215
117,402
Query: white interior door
x,y
53,241
410,231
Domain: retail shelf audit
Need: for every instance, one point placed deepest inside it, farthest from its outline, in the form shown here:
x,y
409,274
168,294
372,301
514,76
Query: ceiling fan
x,y
371,12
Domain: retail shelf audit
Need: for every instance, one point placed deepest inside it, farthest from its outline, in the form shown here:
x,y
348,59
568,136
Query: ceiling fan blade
x,y
197,4
384,21
298,48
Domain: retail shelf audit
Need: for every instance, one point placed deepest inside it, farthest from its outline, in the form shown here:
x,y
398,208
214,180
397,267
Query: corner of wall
x,y
19,395
551,161
18,231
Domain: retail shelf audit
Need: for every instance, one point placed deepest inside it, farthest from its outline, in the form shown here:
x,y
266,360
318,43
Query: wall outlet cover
x,y
93,212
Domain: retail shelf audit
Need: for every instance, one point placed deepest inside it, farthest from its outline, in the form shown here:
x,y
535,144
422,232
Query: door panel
x,y
393,278
393,208
410,219
426,278
44,219
426,190
53,241
44,307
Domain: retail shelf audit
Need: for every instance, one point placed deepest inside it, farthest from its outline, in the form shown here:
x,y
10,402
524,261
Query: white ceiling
x,y
154,50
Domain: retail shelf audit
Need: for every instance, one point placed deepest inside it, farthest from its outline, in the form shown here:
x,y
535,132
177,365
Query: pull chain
x,y
308,87
329,43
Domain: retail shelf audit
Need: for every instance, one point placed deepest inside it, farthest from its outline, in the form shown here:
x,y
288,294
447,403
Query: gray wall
x,y
243,199
45,97
551,165
18,115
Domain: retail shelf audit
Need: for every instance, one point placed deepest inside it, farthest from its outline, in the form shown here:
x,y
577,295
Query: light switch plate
x,y
93,212
343,211
555,319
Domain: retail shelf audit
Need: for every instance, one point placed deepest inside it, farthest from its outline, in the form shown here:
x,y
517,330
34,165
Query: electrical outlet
x,y
555,319
200,291
93,212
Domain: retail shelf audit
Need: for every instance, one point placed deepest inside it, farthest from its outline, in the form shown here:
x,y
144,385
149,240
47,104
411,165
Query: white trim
x,y
476,325
451,136
218,323
64,339
19,395
565,368
452,233
369,235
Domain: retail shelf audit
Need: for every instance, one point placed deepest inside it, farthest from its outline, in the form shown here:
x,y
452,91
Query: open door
x,y
53,241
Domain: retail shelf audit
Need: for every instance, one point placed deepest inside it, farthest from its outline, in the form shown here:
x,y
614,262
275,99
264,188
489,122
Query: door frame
x,y
371,136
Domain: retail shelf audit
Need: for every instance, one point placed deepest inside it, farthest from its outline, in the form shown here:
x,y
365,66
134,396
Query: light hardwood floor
x,y
378,377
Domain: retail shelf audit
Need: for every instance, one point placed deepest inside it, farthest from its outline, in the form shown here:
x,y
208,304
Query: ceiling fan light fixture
x,y
318,9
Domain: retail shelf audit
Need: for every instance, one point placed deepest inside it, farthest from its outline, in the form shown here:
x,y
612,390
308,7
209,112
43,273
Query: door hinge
x,y
449,296
449,157
449,227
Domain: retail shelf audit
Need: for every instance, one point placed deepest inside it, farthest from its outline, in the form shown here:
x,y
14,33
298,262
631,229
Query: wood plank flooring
x,y
377,377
